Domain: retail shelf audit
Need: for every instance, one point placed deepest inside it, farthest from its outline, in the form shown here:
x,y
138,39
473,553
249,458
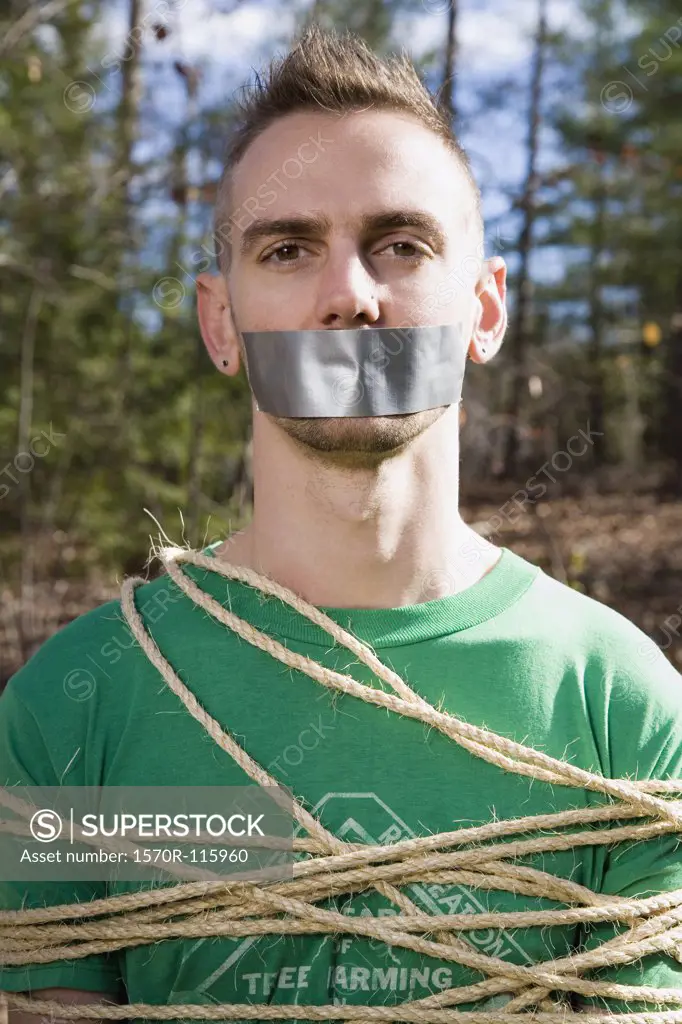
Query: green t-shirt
x,y
518,653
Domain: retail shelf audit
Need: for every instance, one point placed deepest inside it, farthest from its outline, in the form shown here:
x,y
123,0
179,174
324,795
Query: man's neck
x,y
361,538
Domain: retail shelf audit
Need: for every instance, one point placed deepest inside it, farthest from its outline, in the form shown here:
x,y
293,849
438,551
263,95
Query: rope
x,y
479,857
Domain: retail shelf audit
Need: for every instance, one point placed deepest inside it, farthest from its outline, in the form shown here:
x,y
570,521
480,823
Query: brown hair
x,y
336,72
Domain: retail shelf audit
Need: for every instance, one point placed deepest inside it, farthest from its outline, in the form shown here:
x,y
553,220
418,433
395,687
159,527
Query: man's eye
x,y
288,252
408,250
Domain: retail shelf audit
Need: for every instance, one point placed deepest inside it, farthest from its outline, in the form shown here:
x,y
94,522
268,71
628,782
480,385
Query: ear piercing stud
x,y
225,362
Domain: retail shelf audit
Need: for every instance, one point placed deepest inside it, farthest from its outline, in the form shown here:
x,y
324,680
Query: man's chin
x,y
357,440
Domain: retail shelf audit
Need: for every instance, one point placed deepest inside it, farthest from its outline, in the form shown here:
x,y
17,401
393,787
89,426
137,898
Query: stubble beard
x,y
358,441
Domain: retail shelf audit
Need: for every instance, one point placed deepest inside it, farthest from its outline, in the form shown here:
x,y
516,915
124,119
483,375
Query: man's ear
x,y
491,323
216,323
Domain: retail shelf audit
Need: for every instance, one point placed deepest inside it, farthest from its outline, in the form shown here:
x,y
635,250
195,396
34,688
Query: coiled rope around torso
x,y
334,867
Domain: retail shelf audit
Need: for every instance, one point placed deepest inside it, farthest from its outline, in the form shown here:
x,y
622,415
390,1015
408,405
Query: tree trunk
x,y
671,426
26,599
596,314
518,337
127,121
131,85
448,92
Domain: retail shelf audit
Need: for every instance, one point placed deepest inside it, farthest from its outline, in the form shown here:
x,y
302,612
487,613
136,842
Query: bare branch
x,y
33,17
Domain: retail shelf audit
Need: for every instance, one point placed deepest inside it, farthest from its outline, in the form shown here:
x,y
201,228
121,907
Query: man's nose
x,y
347,293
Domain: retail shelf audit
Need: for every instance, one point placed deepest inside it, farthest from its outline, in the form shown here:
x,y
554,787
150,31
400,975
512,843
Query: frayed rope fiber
x,y
333,867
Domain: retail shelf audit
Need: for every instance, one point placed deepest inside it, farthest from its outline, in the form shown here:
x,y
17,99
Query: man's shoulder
x,y
611,650
572,616
591,664
82,650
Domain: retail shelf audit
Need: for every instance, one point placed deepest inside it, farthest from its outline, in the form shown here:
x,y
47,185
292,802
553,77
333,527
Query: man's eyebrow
x,y
309,225
391,220
317,225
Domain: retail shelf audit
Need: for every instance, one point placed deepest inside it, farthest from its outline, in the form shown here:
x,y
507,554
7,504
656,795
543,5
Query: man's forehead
x,y
346,170
360,151
386,129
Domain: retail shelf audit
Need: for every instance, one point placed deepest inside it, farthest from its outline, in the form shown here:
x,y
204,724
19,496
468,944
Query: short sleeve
x,y
25,761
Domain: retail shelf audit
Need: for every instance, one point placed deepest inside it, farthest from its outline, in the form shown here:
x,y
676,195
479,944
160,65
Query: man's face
x,y
345,222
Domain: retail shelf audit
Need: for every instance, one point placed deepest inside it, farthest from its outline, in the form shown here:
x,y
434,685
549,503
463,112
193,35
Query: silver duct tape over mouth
x,y
369,371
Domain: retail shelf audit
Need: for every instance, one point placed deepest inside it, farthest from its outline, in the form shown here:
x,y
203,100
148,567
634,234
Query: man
x,y
347,204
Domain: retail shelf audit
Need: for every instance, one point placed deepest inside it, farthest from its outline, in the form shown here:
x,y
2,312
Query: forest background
x,y
113,122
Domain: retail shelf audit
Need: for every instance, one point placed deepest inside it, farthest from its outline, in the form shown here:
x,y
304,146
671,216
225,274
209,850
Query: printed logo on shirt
x,y
371,822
